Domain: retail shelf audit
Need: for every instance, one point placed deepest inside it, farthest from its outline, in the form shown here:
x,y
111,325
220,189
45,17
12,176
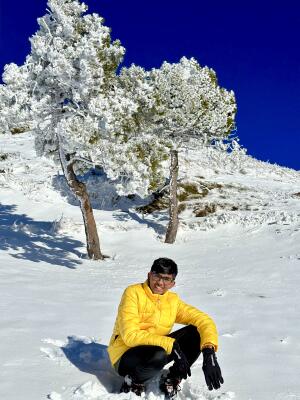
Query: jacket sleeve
x,y
188,315
129,325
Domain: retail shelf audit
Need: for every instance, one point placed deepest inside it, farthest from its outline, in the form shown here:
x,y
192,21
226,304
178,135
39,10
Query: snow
x,y
58,308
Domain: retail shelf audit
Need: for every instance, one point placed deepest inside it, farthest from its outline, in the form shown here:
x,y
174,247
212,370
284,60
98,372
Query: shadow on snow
x,y
102,192
92,358
157,227
103,196
35,240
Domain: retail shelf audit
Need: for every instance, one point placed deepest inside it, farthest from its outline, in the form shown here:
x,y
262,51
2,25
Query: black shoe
x,y
170,386
130,386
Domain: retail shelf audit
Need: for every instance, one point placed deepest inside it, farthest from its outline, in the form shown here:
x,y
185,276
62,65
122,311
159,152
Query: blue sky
x,y
252,45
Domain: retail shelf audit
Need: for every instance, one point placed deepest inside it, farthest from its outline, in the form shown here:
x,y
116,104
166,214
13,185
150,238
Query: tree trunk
x,y
79,189
173,206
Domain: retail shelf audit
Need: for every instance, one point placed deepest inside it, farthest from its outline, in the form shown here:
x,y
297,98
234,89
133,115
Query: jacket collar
x,y
152,296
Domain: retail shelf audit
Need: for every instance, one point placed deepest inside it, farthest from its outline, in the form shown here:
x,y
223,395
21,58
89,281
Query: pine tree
x,y
80,111
70,94
71,69
190,106
185,105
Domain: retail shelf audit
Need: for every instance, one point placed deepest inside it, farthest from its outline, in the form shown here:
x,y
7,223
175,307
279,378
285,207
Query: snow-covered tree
x,y
71,71
190,106
81,112
186,105
190,103
71,91
15,115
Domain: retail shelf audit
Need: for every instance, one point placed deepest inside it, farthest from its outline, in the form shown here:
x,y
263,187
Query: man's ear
x,y
149,275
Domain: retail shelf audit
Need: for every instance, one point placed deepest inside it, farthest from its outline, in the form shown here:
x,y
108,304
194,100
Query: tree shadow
x,y
103,196
36,241
158,228
101,190
93,359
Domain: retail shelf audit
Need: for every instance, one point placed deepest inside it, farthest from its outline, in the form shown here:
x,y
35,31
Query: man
x,y
141,343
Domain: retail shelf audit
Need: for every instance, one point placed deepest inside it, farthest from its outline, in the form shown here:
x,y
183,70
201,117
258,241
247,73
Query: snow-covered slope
x,y
240,263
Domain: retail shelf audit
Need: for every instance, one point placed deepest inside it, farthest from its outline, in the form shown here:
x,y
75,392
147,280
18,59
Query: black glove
x,y
211,369
181,365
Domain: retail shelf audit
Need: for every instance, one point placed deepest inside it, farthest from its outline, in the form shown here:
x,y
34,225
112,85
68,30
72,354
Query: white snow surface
x,y
57,308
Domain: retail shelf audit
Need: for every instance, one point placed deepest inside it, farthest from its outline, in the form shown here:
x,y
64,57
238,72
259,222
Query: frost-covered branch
x,y
84,160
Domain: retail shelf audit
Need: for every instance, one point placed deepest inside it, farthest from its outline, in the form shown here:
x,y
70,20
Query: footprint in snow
x,y
55,355
259,295
284,340
291,257
54,396
228,335
217,292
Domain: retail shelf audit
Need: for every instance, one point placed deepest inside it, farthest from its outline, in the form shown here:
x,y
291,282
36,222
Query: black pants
x,y
144,362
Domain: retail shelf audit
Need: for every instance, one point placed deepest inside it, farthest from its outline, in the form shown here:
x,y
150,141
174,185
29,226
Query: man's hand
x,y
181,364
211,369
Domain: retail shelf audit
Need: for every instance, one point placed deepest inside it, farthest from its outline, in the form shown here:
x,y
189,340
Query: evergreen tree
x,y
80,112
71,94
185,105
71,70
190,106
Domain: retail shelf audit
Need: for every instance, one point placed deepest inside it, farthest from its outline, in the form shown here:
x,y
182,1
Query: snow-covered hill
x,y
238,253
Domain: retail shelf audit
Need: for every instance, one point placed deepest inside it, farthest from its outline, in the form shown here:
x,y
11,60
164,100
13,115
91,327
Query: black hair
x,y
164,266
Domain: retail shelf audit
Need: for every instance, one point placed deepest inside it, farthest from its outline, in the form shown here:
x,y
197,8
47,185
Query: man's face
x,y
160,283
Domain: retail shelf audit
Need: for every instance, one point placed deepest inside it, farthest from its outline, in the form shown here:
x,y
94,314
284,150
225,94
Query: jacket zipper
x,y
158,311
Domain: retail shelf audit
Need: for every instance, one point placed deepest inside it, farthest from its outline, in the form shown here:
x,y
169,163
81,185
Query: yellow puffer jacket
x,y
145,318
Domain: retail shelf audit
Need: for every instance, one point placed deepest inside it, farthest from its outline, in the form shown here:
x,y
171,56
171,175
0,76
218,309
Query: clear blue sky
x,y
252,45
